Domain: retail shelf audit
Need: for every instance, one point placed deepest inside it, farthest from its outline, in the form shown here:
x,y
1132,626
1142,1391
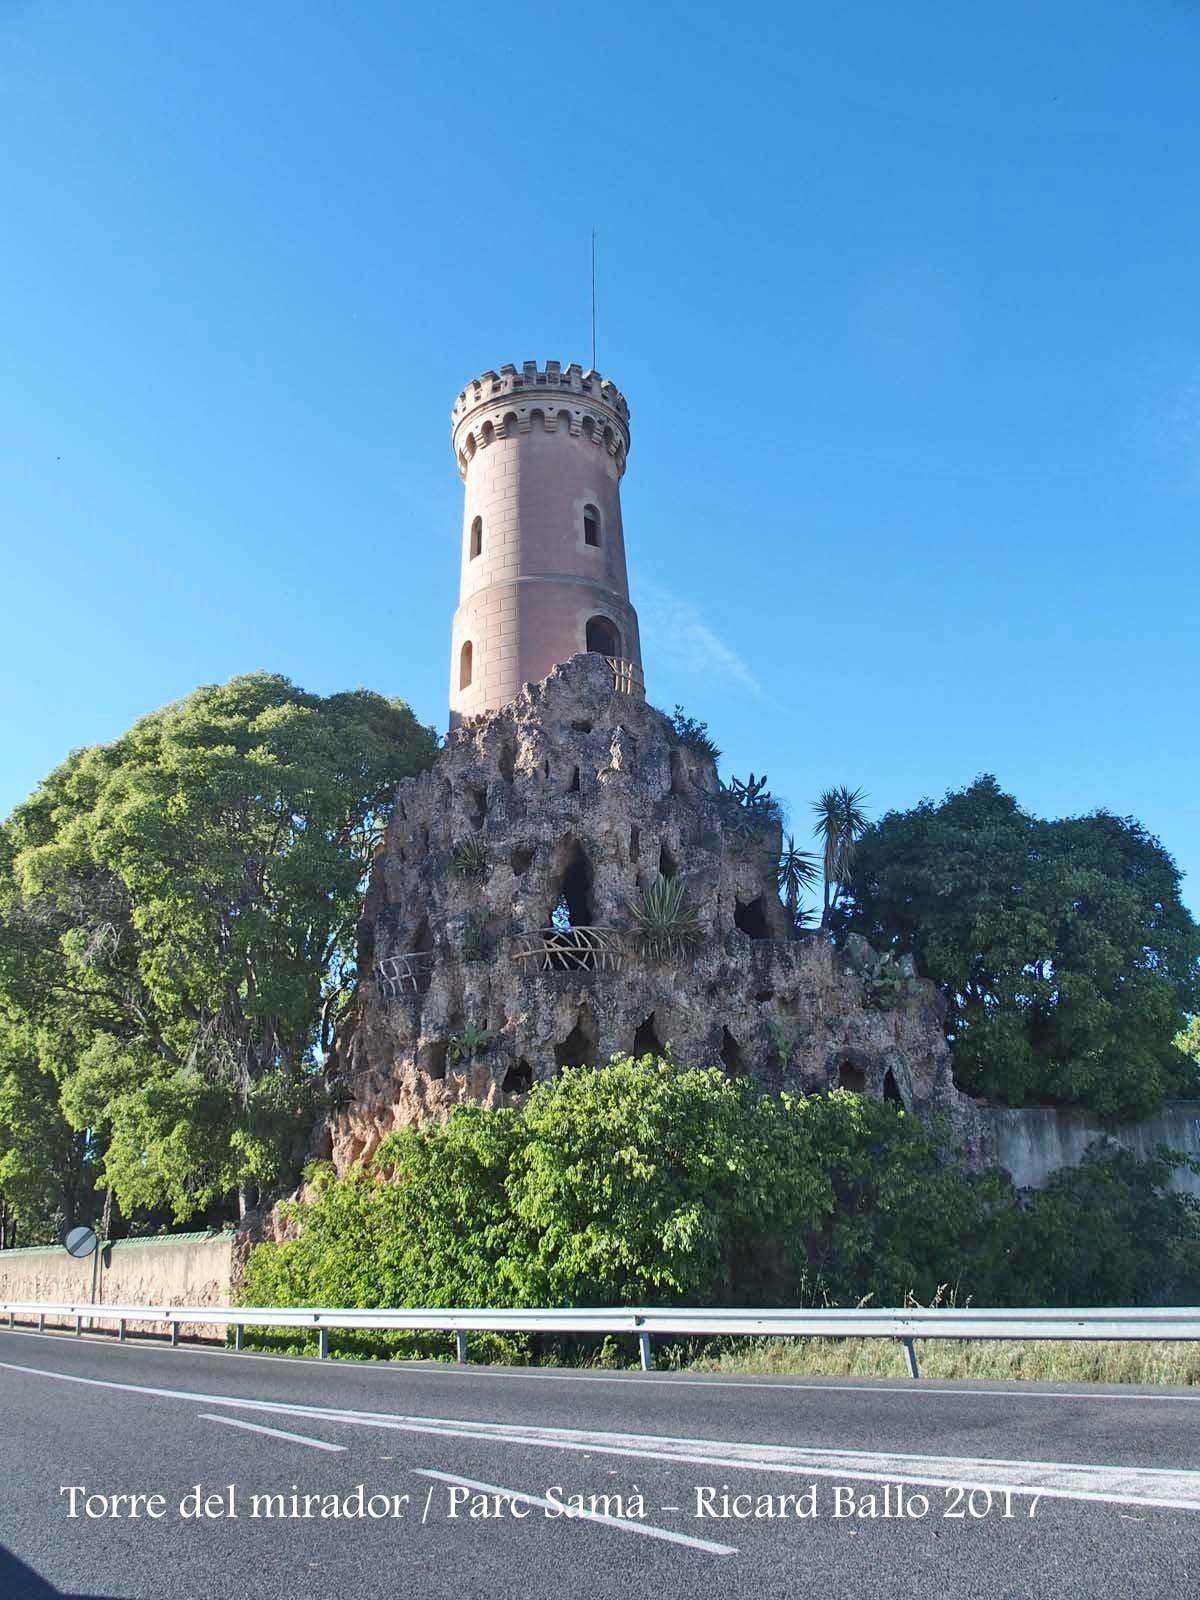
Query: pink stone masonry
x,y
541,452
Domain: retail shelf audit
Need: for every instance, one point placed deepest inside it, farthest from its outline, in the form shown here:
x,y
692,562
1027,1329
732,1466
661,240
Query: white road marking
x,y
625,1526
1169,1488
925,1389
276,1433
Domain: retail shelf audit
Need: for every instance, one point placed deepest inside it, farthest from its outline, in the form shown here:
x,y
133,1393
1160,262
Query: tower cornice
x,y
496,403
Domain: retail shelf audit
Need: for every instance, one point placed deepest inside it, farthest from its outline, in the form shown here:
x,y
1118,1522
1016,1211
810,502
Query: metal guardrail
x,y
1104,1323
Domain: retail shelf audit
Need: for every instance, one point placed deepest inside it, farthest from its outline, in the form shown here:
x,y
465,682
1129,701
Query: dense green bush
x,y
1108,1232
648,1183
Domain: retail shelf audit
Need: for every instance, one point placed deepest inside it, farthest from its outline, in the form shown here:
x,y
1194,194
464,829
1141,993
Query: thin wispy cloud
x,y
676,631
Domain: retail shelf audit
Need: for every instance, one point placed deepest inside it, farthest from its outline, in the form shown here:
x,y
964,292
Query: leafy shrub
x,y
1108,1232
694,734
471,1042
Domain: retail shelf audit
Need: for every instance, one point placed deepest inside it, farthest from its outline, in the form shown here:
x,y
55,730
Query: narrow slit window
x,y
476,537
464,666
591,526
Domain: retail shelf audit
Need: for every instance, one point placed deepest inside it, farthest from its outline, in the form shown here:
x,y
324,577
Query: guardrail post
x,y
322,1343
78,1326
12,1320
910,1355
41,1322
121,1329
174,1334
239,1336
460,1346
644,1349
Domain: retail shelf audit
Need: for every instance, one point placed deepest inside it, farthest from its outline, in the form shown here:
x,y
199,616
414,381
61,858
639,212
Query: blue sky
x,y
903,300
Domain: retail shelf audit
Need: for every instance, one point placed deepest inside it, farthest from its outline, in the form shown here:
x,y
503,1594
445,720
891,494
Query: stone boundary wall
x,y
1034,1142
192,1269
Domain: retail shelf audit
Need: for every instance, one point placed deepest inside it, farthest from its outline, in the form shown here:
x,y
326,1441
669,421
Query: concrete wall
x,y
179,1269
1034,1142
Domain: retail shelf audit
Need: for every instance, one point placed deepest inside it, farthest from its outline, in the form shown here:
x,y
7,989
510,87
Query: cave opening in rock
x,y
646,1041
731,1055
573,902
520,859
475,799
635,843
507,761
890,1090
667,864
421,944
518,1079
852,1078
751,917
573,786
578,1049
431,1058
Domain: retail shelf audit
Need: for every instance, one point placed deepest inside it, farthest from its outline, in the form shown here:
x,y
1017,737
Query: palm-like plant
x,y
664,923
796,871
841,823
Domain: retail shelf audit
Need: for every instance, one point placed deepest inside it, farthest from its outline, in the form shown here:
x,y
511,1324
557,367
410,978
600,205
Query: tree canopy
x,y
1067,958
177,924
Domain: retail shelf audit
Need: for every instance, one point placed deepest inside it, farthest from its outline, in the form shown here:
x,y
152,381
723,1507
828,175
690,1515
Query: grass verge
x,y
1025,1360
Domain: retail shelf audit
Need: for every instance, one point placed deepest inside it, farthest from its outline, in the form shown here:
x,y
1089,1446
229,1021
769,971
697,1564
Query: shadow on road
x,y
22,1583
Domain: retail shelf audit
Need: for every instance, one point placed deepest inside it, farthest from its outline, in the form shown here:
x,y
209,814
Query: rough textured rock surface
x,y
577,788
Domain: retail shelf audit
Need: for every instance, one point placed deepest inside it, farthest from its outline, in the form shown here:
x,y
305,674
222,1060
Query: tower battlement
x,y
496,404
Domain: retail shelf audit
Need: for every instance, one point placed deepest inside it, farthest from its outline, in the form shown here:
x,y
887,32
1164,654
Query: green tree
x,y
1064,951
178,926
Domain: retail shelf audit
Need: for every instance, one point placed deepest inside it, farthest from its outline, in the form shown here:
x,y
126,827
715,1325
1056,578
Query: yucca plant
x,y
796,870
469,857
664,923
841,823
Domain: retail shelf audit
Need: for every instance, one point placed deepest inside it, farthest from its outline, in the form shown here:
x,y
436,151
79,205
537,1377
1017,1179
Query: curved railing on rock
x,y
404,974
570,950
627,677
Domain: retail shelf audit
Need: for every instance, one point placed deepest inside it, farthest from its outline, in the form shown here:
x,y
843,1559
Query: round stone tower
x,y
542,452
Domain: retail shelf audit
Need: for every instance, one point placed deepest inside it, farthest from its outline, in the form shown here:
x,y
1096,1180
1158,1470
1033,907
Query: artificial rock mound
x,y
576,796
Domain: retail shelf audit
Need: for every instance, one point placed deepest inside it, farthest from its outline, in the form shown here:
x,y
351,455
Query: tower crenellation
x,y
488,405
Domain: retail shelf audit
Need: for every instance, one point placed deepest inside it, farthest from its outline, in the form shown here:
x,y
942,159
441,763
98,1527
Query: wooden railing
x,y
627,677
404,974
570,950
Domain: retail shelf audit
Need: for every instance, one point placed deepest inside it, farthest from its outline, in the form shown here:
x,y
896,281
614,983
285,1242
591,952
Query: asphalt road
x,y
458,1482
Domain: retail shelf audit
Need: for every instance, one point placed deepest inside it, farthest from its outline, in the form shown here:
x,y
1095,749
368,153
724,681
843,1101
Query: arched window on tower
x,y
476,537
602,636
591,525
464,666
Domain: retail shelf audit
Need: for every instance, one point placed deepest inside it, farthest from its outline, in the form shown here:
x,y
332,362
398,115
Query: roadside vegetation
x,y
647,1183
